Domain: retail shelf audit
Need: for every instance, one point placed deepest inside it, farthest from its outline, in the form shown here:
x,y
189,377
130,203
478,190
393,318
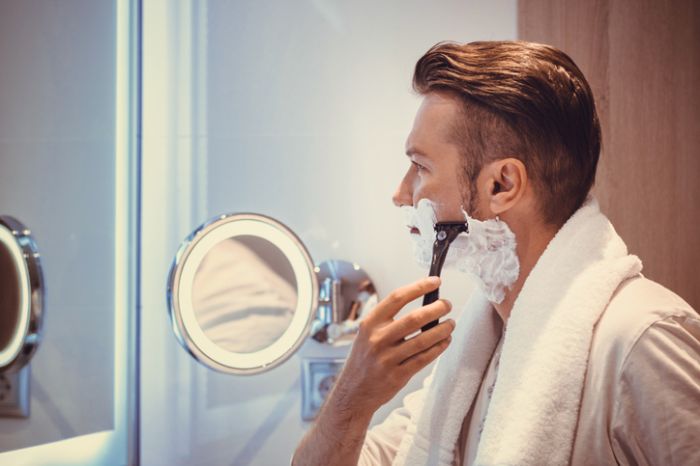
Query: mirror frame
x,y
181,277
27,334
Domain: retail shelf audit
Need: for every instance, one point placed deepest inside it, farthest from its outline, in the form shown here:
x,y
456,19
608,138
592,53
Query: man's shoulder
x,y
639,301
641,379
636,306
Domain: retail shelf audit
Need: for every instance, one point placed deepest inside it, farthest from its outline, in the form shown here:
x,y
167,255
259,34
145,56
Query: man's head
x,y
504,126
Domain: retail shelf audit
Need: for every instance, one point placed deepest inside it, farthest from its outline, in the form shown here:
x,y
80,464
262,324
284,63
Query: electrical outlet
x,y
14,393
318,377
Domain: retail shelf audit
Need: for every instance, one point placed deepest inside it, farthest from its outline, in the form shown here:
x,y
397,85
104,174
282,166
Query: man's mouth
x,y
414,230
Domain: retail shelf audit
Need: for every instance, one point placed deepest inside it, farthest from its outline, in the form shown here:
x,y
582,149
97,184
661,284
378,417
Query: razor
x,y
445,233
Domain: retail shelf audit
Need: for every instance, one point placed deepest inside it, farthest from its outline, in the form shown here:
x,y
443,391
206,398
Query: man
x,y
574,359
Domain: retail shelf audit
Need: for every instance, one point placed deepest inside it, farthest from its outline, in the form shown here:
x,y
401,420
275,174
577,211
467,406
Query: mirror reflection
x,y
10,307
244,294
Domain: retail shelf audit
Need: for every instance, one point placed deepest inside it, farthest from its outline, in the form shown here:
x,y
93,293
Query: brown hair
x,y
524,100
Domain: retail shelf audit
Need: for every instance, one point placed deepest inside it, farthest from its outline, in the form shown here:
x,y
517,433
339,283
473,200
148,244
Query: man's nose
x,y
403,194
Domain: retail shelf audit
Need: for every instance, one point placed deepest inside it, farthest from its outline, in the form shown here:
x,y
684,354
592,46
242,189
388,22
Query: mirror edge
x,y
36,299
177,264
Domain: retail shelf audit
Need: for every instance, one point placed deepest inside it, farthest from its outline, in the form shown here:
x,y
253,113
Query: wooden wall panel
x,y
642,59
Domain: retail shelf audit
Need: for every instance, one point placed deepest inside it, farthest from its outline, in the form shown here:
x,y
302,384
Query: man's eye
x,y
418,166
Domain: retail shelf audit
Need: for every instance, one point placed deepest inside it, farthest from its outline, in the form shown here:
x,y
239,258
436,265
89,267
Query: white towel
x,y
533,412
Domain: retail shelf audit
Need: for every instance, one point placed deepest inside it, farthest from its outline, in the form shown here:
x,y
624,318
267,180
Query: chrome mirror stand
x,y
346,295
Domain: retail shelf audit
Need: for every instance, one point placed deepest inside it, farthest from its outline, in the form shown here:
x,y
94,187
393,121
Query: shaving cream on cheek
x,y
423,218
487,251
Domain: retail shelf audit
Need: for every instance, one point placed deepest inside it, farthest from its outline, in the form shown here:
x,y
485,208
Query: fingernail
x,y
434,280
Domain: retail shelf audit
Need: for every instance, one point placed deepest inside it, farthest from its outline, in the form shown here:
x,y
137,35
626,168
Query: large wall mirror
x,y
244,294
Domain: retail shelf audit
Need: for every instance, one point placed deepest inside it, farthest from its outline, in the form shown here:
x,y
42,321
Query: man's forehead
x,y
434,123
422,136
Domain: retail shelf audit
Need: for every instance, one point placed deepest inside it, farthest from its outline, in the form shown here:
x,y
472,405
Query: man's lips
x,y
414,230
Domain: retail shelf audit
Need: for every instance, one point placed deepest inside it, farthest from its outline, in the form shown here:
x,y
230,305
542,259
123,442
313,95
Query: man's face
x,y
435,170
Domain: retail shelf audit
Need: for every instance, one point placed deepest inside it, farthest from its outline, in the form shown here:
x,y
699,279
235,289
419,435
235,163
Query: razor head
x,y
446,232
450,230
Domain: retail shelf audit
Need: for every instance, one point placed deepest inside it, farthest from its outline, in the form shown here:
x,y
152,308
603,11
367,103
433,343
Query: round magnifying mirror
x,y
21,295
242,293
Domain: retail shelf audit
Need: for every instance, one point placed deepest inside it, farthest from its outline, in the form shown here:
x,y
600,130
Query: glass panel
x,y
57,146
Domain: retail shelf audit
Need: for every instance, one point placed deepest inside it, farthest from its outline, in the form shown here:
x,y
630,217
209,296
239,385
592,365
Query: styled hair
x,y
524,100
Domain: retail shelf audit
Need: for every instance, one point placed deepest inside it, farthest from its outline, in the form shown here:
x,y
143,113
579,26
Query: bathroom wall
x,y
57,146
642,59
297,110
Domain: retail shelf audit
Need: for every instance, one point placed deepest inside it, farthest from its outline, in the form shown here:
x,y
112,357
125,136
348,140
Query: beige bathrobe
x,y
641,394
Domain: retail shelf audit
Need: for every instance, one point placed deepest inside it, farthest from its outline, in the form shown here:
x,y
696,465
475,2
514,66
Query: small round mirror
x,y
242,293
21,295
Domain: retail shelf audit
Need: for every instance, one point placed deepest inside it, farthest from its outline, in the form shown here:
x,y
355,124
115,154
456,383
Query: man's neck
x,y
530,247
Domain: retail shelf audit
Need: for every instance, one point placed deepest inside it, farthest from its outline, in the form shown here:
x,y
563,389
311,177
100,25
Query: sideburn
x,y
469,194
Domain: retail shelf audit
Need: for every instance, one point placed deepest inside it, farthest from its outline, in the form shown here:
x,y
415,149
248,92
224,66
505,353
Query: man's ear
x,y
506,184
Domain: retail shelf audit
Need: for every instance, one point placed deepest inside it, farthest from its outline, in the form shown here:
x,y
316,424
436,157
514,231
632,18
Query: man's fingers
x,y
415,320
418,361
398,298
421,342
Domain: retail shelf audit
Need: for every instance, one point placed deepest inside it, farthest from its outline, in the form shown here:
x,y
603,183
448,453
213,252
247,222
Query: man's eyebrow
x,y
412,150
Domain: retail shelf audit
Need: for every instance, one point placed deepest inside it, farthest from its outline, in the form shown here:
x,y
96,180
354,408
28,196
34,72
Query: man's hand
x,y
381,362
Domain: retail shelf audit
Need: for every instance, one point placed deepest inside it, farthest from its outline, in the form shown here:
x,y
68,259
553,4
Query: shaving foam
x,y
486,251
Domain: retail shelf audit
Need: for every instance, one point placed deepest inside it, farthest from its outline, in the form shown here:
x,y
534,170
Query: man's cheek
x,y
449,212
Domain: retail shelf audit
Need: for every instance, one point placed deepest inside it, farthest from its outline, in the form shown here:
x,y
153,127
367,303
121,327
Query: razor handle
x,y
446,232
430,298
439,254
